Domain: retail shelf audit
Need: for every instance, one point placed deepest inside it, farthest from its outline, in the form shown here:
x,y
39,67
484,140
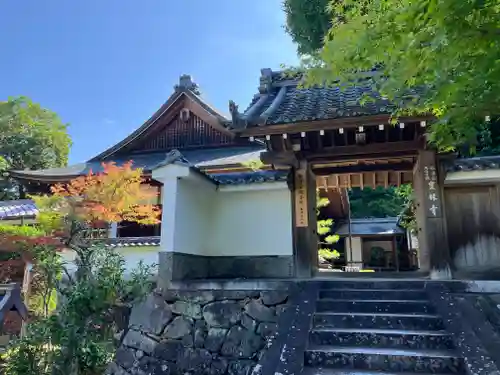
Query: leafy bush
x,y
79,339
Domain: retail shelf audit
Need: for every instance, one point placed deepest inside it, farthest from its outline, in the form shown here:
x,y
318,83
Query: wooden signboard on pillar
x,y
428,185
432,191
301,214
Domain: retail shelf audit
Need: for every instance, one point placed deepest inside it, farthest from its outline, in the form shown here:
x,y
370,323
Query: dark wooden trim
x,y
403,148
211,120
308,126
287,158
360,168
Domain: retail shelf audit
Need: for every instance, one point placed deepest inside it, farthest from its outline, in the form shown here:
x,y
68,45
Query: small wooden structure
x,y
12,311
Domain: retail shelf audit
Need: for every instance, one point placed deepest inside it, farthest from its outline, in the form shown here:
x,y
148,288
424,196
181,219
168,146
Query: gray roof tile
x,y
296,104
17,209
198,158
241,178
473,164
371,226
133,241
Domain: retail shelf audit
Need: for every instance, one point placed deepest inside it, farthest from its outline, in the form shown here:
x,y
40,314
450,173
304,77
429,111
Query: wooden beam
x,y
317,125
287,158
386,179
356,152
403,166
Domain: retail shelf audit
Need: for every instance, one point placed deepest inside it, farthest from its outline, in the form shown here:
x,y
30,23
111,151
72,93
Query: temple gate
x,y
327,139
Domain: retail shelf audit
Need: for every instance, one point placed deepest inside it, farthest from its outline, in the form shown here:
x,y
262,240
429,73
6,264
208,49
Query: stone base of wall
x,y
215,332
180,266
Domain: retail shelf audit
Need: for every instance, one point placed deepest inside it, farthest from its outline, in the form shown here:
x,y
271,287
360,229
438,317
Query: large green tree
x,y
432,56
307,22
31,137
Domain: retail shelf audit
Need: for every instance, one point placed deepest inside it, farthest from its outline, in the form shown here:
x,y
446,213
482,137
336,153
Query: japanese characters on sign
x,y
301,219
430,177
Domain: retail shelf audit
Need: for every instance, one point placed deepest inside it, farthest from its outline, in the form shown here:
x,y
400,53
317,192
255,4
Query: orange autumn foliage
x,y
114,195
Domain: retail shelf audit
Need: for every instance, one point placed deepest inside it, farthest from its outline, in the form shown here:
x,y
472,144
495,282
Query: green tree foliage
x,y
438,57
307,22
31,137
379,202
324,230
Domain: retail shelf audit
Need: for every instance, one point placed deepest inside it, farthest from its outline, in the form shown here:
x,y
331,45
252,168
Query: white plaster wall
x,y
251,222
132,255
194,216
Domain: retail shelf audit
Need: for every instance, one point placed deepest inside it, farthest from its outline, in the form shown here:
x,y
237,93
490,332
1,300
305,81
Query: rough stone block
x,y
125,357
218,366
179,328
242,367
114,369
150,315
153,366
241,343
248,323
260,312
188,341
201,297
196,361
222,314
188,309
137,340
215,339
168,350
200,335
273,297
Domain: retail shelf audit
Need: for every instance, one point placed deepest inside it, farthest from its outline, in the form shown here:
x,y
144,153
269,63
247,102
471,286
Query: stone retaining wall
x,y
214,332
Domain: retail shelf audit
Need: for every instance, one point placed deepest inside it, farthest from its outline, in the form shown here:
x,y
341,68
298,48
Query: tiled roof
x,y
371,226
473,164
133,241
198,158
241,178
17,209
281,101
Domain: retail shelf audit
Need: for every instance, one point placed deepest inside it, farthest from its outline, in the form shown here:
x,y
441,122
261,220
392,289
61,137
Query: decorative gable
x,y
186,130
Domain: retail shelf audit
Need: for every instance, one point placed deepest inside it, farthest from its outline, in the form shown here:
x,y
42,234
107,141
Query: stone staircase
x,y
378,327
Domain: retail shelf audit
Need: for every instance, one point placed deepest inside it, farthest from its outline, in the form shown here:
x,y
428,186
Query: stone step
x,y
374,306
373,284
373,294
334,371
381,338
378,359
427,322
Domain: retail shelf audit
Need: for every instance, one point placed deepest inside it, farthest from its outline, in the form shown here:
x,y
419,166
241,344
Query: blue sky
x,y
106,65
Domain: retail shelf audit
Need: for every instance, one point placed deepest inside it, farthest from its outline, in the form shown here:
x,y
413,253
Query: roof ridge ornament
x,y
186,83
266,80
237,121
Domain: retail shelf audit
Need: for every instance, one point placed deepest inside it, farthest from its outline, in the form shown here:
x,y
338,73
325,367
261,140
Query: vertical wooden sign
x,y
301,218
432,191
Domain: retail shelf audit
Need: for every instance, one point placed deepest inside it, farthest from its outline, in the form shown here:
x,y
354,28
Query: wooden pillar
x,y
305,226
428,186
